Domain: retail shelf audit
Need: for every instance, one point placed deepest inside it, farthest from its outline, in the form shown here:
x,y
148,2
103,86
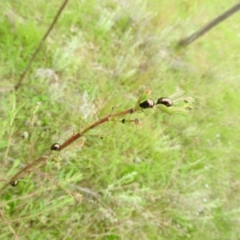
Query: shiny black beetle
x,y
149,103
168,102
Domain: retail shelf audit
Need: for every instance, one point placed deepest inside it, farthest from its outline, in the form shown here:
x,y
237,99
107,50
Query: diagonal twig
x,y
22,76
41,161
164,103
193,37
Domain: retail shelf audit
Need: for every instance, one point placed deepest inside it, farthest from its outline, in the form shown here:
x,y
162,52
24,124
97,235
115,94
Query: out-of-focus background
x,y
172,177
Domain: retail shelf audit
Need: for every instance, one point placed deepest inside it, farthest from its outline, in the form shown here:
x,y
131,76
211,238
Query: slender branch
x,y
22,76
141,104
93,125
41,161
193,37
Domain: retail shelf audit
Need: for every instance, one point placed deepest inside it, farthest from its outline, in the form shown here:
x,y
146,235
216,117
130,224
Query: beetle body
x,y
168,102
14,183
149,103
55,147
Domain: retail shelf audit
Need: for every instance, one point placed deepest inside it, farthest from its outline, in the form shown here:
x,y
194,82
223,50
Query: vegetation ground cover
x,y
172,177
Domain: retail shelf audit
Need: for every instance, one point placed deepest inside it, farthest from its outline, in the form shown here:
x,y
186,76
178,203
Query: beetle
x,y
55,147
14,183
168,102
123,120
149,103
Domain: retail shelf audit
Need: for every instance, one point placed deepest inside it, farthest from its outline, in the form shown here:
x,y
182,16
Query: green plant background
x,y
172,177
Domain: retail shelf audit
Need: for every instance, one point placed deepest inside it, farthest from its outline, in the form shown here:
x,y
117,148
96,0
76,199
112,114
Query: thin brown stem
x,y
93,125
193,37
22,76
41,161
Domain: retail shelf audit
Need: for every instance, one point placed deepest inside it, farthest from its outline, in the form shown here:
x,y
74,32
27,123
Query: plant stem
x,y
41,161
93,125
186,41
22,76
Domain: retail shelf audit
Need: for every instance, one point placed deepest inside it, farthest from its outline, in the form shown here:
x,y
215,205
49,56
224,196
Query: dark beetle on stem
x,y
149,103
55,147
168,102
14,183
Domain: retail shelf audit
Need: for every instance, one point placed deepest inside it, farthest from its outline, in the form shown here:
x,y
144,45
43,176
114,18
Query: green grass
x,y
170,178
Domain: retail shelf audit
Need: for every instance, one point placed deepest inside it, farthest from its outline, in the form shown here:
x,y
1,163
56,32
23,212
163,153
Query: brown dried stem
x,y
93,125
193,37
22,76
41,161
